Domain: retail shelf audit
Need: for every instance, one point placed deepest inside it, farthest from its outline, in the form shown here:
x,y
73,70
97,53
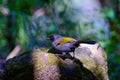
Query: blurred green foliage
x,y
112,46
19,24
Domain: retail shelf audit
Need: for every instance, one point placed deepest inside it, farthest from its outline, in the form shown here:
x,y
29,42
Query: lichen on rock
x,y
42,64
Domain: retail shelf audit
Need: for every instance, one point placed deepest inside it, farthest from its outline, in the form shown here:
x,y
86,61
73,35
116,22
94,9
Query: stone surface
x,y
40,64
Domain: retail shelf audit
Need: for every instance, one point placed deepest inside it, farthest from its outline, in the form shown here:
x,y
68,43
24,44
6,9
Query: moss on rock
x,y
40,64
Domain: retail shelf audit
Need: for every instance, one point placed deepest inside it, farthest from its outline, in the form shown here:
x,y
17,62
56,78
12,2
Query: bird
x,y
67,44
63,44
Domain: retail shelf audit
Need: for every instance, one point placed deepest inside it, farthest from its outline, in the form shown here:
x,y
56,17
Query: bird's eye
x,y
51,38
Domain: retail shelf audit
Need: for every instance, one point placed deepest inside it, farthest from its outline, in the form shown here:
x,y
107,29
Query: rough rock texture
x,y
94,59
46,65
41,65
18,68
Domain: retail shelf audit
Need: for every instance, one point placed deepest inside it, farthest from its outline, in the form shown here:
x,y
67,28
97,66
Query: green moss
x,y
43,58
99,69
88,63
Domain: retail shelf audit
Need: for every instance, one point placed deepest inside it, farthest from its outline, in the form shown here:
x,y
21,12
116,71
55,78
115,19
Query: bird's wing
x,y
65,40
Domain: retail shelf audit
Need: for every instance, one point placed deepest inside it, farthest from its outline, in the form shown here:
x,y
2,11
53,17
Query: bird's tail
x,y
76,44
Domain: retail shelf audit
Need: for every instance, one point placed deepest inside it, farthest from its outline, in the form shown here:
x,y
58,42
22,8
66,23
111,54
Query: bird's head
x,y
54,37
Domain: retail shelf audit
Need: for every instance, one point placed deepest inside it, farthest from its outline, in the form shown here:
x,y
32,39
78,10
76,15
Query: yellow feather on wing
x,y
65,40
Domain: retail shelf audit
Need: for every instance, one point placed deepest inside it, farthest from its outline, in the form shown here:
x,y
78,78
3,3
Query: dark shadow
x,y
19,68
59,54
73,71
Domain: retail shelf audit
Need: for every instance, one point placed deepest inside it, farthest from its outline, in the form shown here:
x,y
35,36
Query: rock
x,y
94,59
40,64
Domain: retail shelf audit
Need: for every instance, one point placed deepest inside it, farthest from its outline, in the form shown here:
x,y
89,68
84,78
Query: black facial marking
x,y
51,38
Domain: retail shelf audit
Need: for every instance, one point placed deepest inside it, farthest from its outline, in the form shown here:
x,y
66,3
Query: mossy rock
x,y
40,64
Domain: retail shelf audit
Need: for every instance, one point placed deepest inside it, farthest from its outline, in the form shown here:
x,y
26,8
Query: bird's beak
x,y
47,39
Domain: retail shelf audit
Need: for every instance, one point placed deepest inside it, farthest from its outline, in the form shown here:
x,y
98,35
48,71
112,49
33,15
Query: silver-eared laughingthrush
x,y
66,44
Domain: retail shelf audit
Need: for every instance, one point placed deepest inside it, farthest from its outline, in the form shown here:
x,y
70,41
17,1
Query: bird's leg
x,y
58,55
73,54
73,50
63,53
